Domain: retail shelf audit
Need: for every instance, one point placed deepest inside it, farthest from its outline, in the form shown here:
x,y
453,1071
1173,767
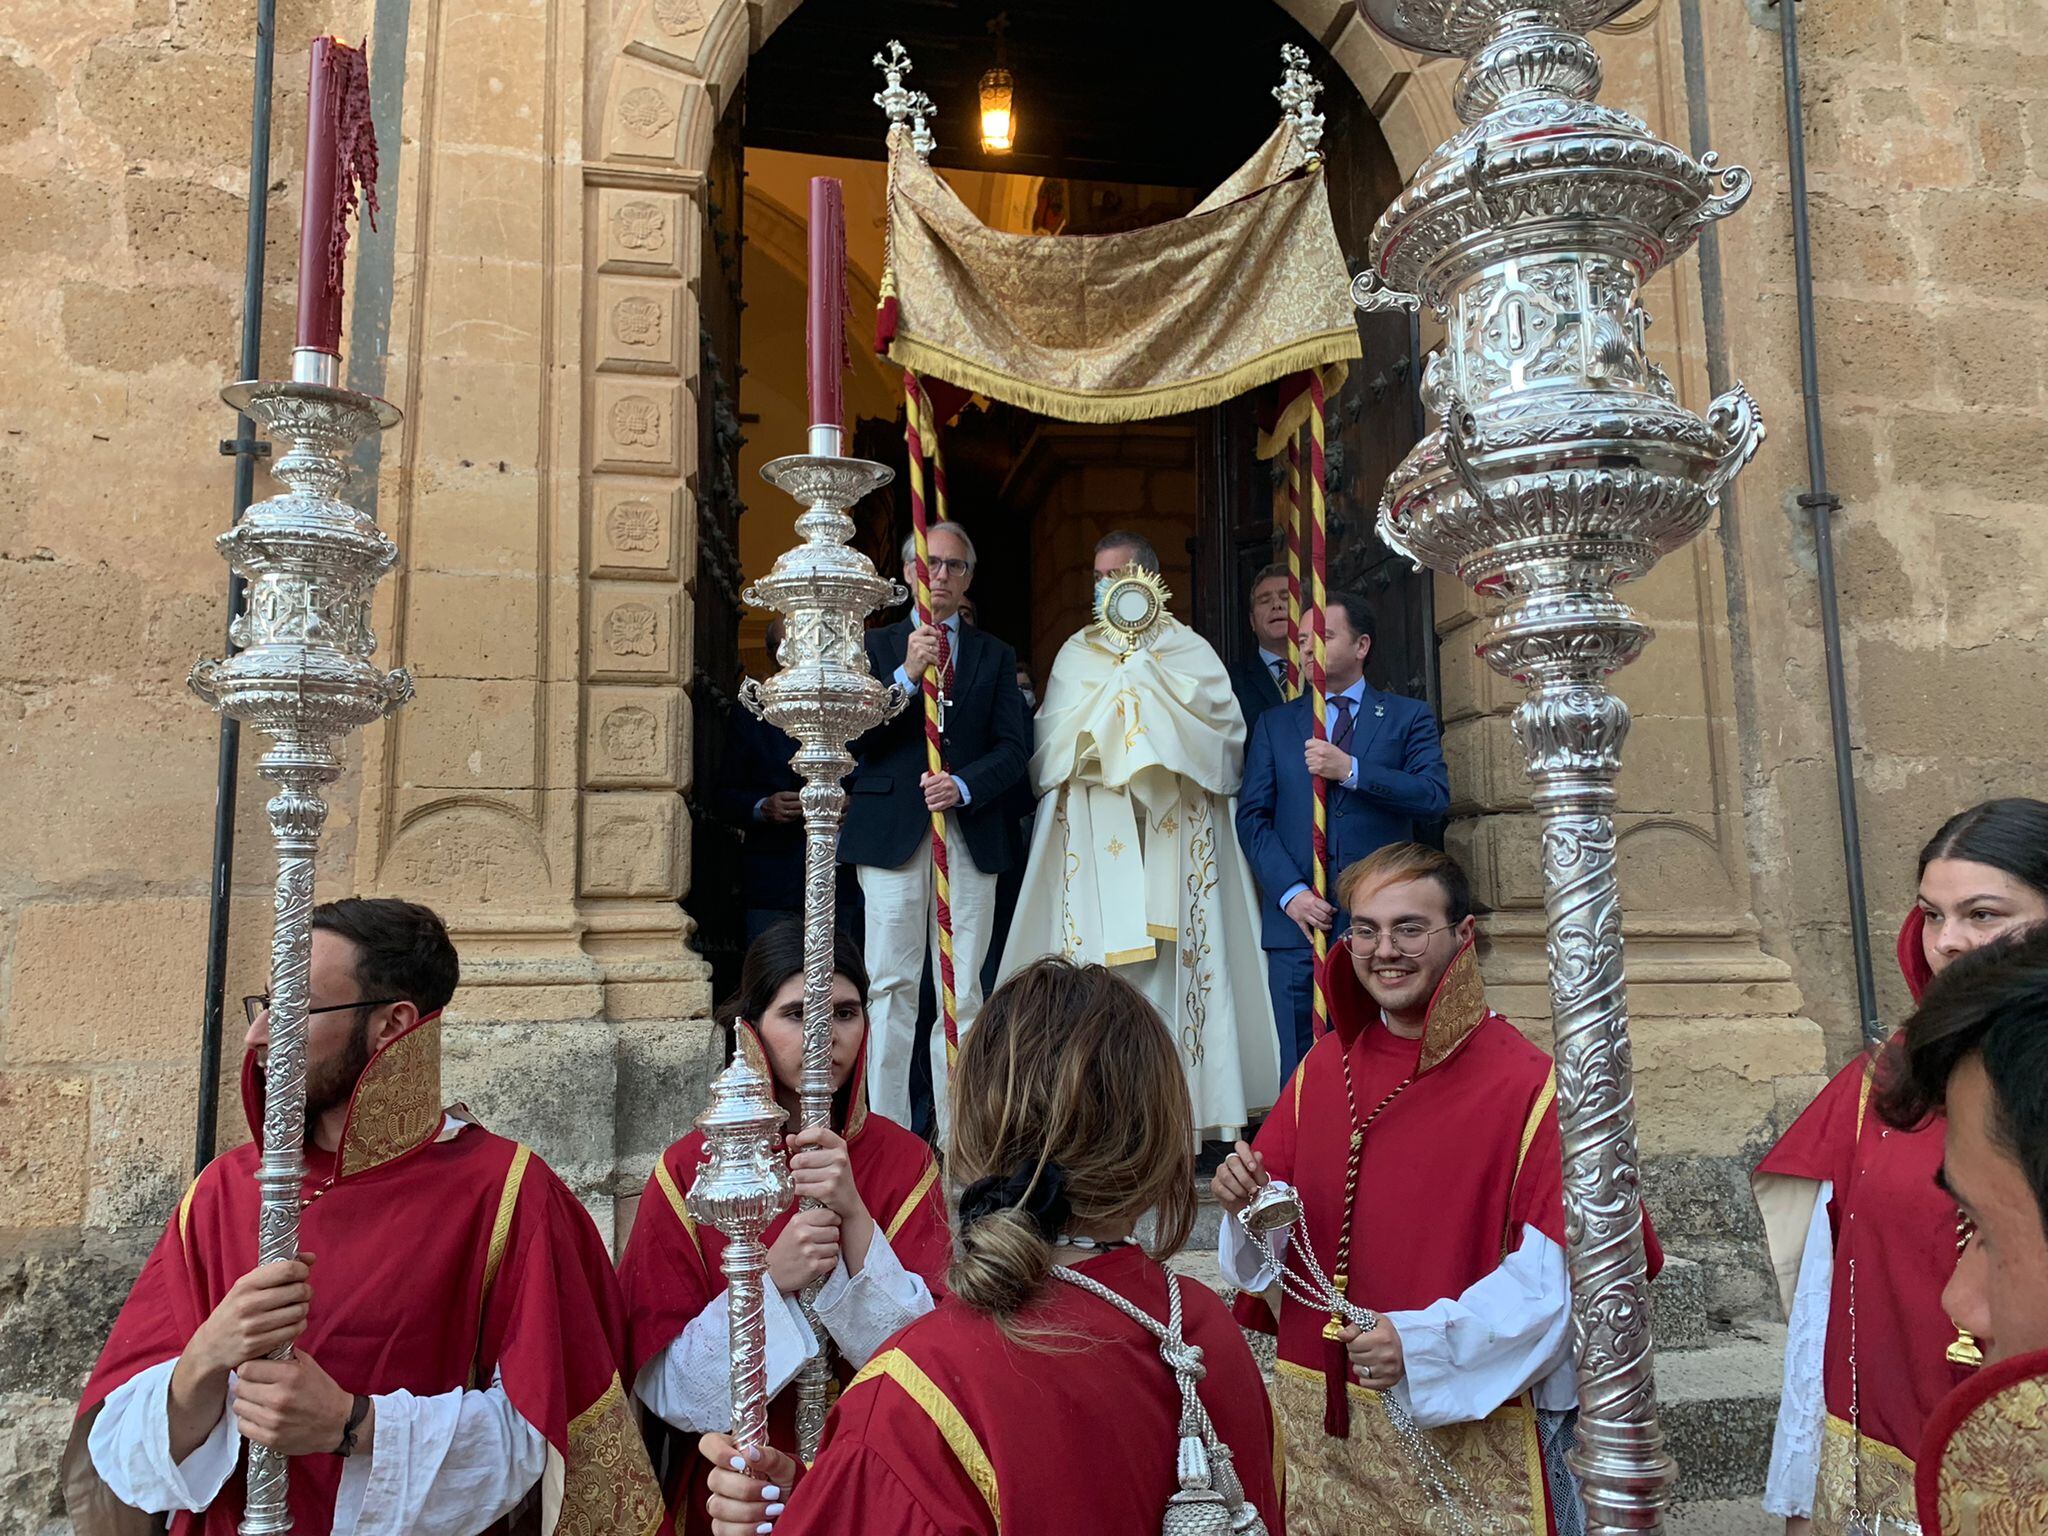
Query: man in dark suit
x,y
1385,765
757,791
890,798
1259,679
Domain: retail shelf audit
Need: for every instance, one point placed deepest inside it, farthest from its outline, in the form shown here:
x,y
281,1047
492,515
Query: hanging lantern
x,y
998,112
998,97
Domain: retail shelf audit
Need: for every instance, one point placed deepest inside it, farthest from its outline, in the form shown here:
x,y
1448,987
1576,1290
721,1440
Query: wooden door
x,y
1374,419
714,678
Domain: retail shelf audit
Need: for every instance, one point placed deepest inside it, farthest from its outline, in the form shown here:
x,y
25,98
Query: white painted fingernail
x,y
774,1510
739,1464
771,1492
763,1529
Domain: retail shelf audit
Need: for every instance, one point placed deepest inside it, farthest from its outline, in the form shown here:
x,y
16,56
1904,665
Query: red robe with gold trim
x,y
1983,1468
955,1429
1451,1171
670,1269
1895,1226
437,1263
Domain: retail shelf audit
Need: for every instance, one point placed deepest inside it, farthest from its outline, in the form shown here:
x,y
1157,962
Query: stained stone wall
x,y
1927,127
123,163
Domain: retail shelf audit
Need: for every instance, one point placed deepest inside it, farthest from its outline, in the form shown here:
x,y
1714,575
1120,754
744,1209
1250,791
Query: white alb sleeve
x,y
1242,1264
861,1311
448,1464
1802,1409
1466,1355
689,1383
130,1446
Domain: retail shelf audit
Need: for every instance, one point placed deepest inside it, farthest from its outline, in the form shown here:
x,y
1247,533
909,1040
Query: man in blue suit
x,y
1259,679
1385,765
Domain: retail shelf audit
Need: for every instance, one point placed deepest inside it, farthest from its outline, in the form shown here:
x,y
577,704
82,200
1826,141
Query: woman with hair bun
x,y
1862,1239
1062,1345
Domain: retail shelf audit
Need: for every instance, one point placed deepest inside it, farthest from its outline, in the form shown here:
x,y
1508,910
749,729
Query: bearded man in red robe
x,y
457,1330
1421,1137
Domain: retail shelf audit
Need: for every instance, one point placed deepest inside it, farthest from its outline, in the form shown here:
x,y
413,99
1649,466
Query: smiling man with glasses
x,y
456,1327
1421,1136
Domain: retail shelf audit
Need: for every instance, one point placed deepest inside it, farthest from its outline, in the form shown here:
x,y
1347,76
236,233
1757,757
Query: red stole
x,y
955,1428
1451,1171
670,1269
1983,1468
437,1263
1898,1229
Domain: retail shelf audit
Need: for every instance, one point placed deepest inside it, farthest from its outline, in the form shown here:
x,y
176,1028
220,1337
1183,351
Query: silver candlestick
x,y
823,697
742,1186
1564,465
303,676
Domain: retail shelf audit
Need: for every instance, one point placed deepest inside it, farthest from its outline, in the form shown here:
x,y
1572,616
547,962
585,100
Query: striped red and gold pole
x,y
1294,510
1317,661
913,415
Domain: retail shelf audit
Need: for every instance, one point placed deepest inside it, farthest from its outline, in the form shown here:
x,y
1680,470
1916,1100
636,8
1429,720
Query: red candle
x,y
341,164
825,330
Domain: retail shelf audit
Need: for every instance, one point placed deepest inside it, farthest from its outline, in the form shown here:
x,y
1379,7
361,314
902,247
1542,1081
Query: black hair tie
x,y
1046,1204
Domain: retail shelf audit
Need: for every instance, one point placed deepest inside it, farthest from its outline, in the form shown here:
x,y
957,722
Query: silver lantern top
x,y
823,694
744,1183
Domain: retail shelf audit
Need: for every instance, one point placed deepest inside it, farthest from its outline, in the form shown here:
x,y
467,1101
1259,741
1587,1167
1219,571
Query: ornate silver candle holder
x,y
823,697
303,676
1564,466
743,1186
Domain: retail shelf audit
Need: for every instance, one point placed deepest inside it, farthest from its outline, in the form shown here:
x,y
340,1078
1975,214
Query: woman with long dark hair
x,y
1068,1382
876,1236
1861,1238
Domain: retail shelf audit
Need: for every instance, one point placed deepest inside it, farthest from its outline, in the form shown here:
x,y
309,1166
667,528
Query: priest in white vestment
x,y
1134,858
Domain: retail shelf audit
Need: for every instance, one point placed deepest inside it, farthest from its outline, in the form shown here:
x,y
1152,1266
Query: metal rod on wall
x,y
1821,505
245,450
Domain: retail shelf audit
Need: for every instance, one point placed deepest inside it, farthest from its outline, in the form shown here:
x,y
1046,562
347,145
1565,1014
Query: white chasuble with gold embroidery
x,y
1134,856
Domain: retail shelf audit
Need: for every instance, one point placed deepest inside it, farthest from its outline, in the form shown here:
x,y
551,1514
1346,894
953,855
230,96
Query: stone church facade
x,y
532,302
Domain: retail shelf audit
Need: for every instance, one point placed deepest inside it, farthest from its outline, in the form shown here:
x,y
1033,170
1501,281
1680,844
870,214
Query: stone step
x,y
1723,1517
1719,1406
1678,1302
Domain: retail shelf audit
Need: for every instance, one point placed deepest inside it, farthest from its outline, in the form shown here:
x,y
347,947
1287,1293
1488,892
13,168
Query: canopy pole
x,y
1318,662
1293,689
929,686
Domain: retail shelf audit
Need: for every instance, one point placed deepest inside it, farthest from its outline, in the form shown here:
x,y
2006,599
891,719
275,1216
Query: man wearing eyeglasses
x,y
454,1321
985,740
1420,1136
1385,766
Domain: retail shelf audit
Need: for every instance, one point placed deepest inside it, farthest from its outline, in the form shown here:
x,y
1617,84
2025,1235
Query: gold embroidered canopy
x,y
1248,288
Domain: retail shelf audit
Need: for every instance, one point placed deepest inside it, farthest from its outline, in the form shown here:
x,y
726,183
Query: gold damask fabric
x,y
1369,1482
397,1101
1458,1008
1991,1477
608,1488
1248,288
1887,1476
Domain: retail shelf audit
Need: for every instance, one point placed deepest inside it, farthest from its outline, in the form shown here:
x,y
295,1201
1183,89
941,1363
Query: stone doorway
x,y
1100,148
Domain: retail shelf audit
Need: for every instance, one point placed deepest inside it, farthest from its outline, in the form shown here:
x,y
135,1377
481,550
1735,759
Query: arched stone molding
x,y
1694,946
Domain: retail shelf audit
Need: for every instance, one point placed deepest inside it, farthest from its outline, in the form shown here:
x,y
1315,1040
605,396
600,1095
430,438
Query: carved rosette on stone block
x,y
823,697
1563,466
302,675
